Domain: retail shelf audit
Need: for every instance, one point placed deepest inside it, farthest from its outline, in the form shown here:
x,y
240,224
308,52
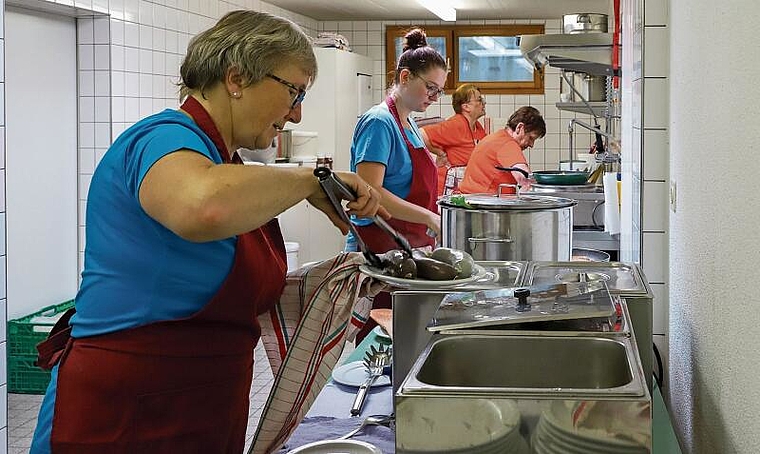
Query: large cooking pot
x,y
510,227
560,177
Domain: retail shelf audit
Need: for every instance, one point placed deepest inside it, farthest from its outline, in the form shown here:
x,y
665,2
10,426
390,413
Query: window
x,y
487,56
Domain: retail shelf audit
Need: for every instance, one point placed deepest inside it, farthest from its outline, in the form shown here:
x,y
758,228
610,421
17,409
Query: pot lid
x,y
506,306
505,202
621,278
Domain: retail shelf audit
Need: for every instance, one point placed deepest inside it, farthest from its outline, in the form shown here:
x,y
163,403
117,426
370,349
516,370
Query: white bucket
x,y
304,143
291,251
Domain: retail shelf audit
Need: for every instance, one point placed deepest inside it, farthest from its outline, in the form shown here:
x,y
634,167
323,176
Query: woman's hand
x,y
434,224
367,203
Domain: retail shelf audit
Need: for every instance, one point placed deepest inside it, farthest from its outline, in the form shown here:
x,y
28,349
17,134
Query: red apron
x,y
178,386
422,193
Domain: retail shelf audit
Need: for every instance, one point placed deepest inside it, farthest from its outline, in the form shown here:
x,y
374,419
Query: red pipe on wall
x,y
616,45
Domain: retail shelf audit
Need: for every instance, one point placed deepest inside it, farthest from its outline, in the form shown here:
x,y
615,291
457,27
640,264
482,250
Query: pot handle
x,y
489,240
514,169
499,191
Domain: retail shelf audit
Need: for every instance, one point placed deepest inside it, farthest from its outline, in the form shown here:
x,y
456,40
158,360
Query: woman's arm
x,y
373,173
202,201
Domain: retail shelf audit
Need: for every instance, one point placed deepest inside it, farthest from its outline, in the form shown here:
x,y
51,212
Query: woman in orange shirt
x,y
453,139
503,148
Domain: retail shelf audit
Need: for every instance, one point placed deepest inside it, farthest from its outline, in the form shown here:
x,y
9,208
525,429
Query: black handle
x,y
522,295
514,169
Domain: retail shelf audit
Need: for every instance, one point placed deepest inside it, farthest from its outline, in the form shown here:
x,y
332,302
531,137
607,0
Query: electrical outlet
x,y
673,194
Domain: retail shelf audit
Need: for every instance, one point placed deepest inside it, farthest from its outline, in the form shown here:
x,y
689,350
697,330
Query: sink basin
x,y
510,365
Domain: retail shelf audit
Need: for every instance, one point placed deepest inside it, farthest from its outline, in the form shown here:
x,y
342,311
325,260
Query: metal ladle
x,y
372,420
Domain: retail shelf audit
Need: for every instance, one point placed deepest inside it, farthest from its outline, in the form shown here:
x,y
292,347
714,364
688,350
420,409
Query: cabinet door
x,y
294,223
325,240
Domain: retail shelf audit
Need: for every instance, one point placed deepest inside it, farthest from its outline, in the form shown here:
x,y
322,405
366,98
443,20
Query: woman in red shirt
x,y
503,148
453,139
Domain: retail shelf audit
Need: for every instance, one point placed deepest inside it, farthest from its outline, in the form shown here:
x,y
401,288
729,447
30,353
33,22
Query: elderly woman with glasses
x,y
183,252
453,139
388,152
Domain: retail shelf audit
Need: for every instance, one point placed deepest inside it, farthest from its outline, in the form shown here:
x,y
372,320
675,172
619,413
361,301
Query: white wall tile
x,y
3,310
656,51
146,36
86,57
656,203
131,34
102,58
660,308
86,160
85,31
102,83
656,155
3,269
87,108
87,135
656,103
655,12
102,135
86,83
101,30
118,57
131,85
2,249
654,259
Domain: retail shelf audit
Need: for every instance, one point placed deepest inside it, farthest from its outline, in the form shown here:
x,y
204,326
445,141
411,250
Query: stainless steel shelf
x,y
599,107
596,240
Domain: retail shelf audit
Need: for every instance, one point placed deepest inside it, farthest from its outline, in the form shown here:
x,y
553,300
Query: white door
x,y
41,159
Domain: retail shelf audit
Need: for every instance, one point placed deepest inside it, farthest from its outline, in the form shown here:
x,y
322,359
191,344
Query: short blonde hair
x,y
462,96
255,43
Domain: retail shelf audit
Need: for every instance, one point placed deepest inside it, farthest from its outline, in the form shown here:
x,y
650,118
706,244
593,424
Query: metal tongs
x,y
336,191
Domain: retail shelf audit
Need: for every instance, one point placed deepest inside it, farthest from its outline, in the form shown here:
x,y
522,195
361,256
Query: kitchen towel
x,y
611,207
323,306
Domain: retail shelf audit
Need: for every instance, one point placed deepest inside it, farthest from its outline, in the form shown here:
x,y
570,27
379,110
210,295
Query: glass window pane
x,y
492,59
436,42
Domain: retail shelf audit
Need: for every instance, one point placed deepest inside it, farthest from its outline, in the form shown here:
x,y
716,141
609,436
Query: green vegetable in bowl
x,y
462,262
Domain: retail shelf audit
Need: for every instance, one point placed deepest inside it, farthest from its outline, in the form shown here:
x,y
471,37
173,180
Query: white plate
x,y
381,332
337,447
354,374
479,273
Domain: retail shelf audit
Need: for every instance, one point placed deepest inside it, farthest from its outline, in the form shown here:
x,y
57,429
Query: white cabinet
x,y
331,108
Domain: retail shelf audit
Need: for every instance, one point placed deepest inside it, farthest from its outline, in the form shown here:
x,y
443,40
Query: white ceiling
x,y
327,10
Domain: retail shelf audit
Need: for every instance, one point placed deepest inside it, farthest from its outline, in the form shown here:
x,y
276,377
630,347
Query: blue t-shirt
x,y
377,138
136,271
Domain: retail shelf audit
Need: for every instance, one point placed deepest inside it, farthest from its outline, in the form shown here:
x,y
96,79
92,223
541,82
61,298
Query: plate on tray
x,y
337,446
478,273
354,374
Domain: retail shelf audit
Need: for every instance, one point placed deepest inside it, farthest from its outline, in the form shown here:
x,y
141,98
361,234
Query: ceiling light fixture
x,y
440,8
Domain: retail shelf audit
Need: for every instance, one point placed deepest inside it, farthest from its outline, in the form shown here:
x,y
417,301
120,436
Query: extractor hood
x,y
589,53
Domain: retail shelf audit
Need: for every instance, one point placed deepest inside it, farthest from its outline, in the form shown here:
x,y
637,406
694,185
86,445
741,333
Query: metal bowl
x,y
582,254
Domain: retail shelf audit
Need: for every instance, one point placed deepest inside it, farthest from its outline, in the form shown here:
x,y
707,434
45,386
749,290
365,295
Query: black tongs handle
x,y
337,190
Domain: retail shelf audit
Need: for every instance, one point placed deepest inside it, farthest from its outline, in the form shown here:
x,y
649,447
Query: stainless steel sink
x,y
520,365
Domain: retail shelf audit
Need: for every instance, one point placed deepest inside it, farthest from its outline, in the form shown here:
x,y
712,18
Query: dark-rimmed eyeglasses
x,y
432,89
300,92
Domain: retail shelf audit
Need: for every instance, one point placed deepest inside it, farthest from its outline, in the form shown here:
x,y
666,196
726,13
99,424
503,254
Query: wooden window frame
x,y
452,33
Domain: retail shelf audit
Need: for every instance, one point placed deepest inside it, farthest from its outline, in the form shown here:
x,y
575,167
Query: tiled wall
x,y
368,38
646,148
3,257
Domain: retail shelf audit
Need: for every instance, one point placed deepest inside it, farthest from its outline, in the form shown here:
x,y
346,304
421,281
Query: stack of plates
x,y
469,426
555,435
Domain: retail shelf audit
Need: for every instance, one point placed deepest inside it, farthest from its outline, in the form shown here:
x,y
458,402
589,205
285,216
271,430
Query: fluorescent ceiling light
x,y
440,8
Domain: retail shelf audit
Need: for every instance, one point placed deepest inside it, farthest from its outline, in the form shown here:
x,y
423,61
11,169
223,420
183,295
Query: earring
x,y
235,94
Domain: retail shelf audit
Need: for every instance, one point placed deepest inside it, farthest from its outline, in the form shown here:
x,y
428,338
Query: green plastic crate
x,y
26,332
26,378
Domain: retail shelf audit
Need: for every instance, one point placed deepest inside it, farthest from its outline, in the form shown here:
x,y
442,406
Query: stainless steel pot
x,y
591,88
524,227
584,23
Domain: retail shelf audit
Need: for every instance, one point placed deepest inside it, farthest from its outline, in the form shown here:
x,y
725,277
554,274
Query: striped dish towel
x,y
323,306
